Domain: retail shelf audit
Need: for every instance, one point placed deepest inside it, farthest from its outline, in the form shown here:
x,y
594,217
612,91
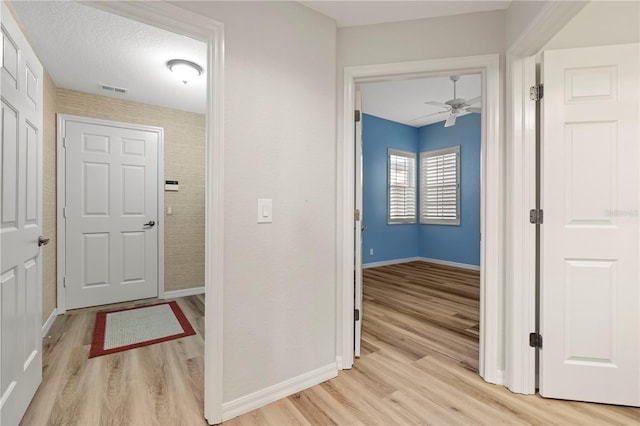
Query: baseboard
x,y
389,262
496,377
448,263
420,259
183,293
49,322
270,394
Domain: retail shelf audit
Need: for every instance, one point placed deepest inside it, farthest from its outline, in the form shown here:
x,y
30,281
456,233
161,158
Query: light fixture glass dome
x,y
184,70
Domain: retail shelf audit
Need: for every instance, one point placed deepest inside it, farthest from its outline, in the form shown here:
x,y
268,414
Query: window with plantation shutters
x,y
402,186
440,186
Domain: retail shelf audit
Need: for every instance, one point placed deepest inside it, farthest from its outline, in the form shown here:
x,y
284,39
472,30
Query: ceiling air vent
x,y
120,90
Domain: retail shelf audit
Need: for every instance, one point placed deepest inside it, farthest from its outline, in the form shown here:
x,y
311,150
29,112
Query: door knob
x,y
150,224
363,228
42,241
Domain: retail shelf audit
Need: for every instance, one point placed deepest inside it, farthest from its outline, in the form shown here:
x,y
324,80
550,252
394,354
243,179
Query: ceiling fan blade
x,y
428,115
440,104
451,120
474,109
474,100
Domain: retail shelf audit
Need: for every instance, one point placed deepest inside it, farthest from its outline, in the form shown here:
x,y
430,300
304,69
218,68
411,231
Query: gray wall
x,y
279,278
600,23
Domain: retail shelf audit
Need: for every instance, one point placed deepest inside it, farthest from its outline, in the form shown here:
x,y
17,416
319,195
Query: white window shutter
x,y
402,186
440,186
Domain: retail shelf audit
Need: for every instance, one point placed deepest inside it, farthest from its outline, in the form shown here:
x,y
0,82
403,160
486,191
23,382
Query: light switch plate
x,y
265,211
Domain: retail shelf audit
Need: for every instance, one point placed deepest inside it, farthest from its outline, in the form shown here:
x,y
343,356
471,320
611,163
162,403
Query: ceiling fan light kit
x,y
451,120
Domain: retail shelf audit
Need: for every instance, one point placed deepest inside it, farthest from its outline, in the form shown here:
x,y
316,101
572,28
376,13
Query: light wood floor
x,y
418,366
160,384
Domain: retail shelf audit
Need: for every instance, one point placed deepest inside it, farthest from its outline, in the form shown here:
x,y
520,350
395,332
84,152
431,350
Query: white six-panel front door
x,y
590,260
111,212
20,223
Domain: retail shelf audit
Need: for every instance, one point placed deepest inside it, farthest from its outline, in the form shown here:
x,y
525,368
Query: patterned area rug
x,y
124,329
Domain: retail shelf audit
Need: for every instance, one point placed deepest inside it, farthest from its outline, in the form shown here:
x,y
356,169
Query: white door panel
x,y
111,193
20,223
590,269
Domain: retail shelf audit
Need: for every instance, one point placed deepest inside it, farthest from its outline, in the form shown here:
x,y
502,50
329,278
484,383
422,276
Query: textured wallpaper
x,y
184,160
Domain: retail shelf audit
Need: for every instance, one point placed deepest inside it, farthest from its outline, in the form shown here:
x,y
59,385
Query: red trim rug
x,y
124,329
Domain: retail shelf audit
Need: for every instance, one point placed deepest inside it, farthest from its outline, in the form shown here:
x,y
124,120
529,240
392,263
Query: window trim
x,y
414,157
436,153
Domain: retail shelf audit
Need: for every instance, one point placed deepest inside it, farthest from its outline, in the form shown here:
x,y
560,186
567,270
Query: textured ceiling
x,y
351,13
81,46
404,100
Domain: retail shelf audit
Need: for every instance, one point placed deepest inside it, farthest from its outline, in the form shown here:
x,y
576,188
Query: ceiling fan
x,y
453,106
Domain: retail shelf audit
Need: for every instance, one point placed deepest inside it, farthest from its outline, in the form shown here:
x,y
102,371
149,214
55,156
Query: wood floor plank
x,y
160,384
419,362
419,365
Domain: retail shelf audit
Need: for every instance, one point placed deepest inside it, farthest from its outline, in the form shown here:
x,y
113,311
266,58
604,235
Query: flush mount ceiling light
x,y
185,70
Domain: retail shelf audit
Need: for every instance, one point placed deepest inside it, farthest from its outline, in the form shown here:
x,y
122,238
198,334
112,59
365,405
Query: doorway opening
x,y
420,211
180,21
491,204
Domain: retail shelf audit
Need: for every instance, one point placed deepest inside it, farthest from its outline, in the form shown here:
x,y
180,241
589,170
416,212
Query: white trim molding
x,y
420,259
49,322
339,362
521,239
553,16
520,298
173,18
173,294
389,262
450,263
280,390
492,200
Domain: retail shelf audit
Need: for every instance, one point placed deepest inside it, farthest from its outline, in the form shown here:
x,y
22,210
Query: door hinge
x,y
356,314
64,282
536,92
536,216
64,212
535,340
356,116
64,142
356,215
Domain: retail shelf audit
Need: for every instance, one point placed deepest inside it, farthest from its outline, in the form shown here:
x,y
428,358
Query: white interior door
x,y
111,212
21,224
358,228
590,280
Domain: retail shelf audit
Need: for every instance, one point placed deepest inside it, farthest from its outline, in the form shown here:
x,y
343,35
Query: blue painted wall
x,y
397,241
456,243
452,243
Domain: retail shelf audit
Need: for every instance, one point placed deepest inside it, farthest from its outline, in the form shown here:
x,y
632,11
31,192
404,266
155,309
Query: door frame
x,y
172,18
61,180
520,267
358,224
492,201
